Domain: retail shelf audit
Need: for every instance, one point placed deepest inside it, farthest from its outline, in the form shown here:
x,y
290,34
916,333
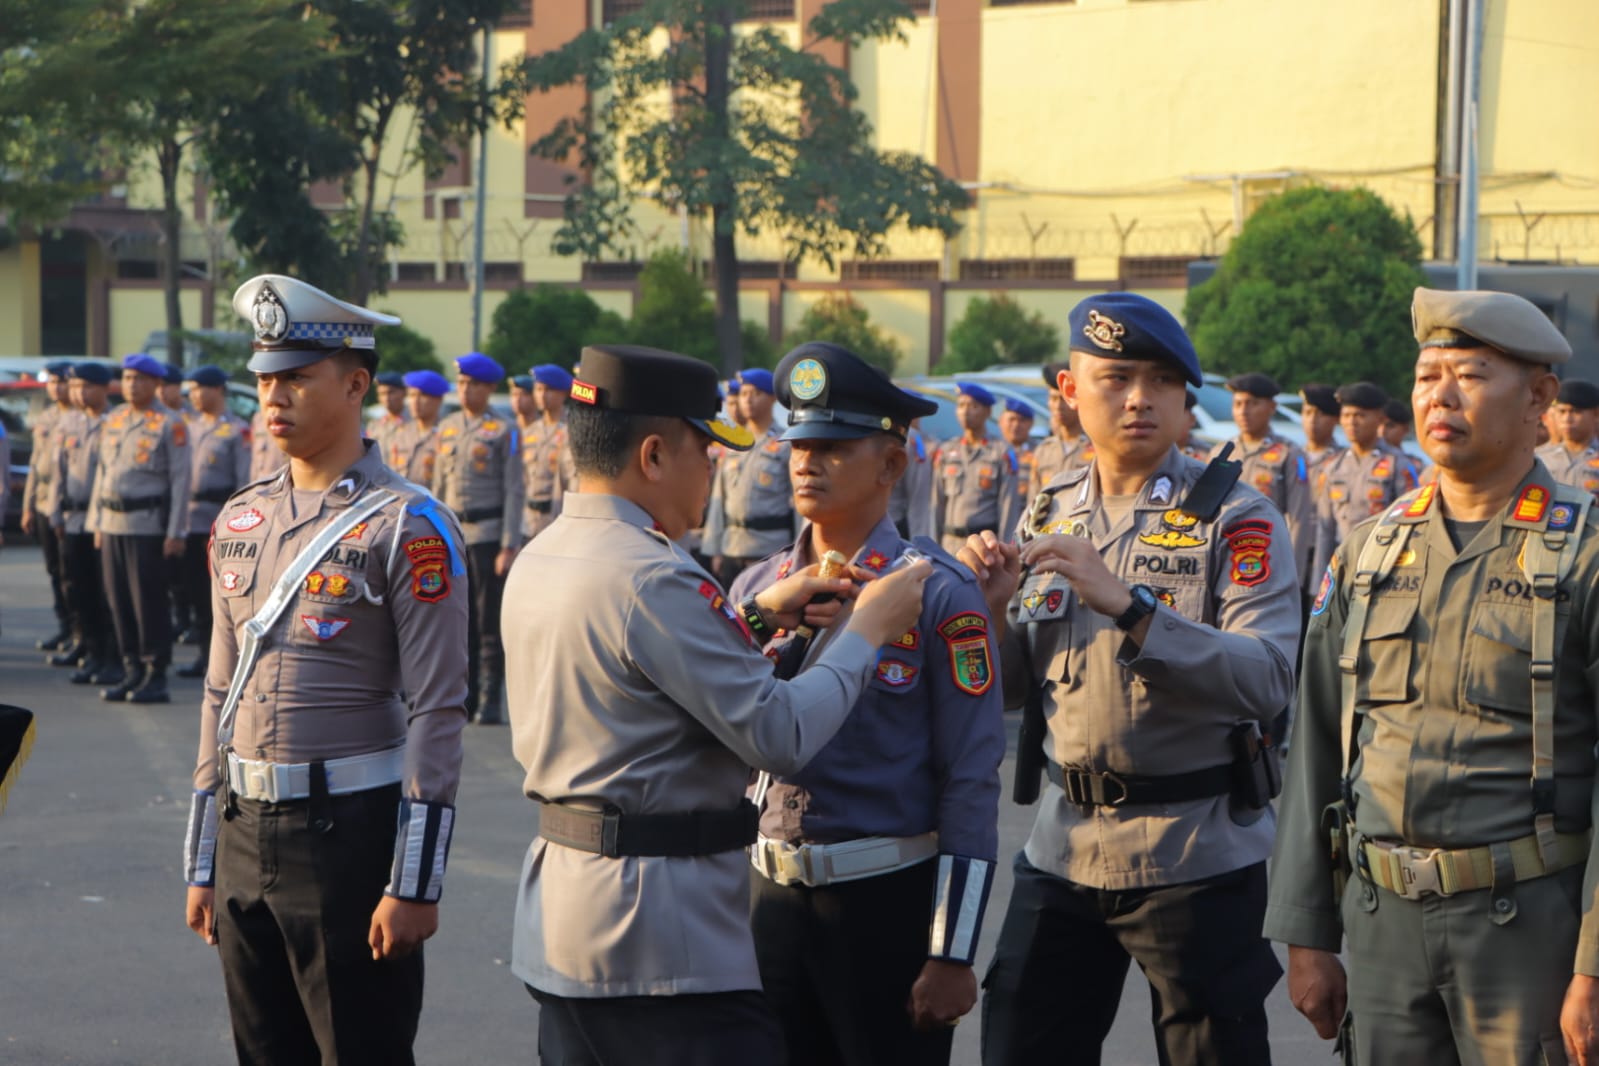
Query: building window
x,y
416,273
1018,269
138,270
611,271
502,273
615,9
769,9
890,270
519,17
1156,268
754,269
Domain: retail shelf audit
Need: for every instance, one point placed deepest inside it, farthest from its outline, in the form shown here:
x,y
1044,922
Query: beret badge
x,y
1104,331
269,316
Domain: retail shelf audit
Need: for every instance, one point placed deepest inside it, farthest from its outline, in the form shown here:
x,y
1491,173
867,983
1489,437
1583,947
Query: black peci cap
x,y
1323,398
1583,395
634,380
1397,412
1255,384
1362,394
833,394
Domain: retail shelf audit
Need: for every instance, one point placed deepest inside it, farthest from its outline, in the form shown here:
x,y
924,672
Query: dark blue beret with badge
x,y
427,382
1020,407
1124,325
58,368
833,394
143,364
92,373
213,376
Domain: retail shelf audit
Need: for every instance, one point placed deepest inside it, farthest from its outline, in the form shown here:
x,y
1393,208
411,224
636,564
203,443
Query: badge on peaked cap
x,y
807,380
1104,331
268,315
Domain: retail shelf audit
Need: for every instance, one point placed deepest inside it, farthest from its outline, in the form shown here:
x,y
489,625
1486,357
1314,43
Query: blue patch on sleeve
x,y
1301,466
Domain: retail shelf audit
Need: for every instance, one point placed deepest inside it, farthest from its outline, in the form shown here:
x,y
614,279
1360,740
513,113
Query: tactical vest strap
x,y
1378,557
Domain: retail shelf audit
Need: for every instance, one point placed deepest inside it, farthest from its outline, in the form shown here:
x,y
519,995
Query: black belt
x,y
776,521
613,834
541,506
482,514
213,496
1089,789
74,506
134,503
959,531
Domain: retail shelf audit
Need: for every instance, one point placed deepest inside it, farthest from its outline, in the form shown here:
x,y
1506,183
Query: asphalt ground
x,y
97,966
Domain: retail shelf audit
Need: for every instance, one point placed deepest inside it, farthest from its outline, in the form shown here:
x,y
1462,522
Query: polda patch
x,y
1249,542
965,635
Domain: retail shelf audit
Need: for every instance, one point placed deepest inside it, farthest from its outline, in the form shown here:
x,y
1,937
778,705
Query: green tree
x,y
1316,287
840,319
674,310
549,324
997,329
404,349
742,126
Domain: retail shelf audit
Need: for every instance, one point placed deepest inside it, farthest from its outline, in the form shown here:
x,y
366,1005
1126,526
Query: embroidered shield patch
x,y
966,637
243,523
1250,542
895,673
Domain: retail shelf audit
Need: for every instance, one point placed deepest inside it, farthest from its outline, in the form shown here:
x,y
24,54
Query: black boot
x,y
491,707
153,689
70,655
55,643
132,675
194,669
110,673
89,672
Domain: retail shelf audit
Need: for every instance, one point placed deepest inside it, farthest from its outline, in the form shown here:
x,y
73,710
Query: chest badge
x,y
229,580
1176,532
324,628
895,673
243,523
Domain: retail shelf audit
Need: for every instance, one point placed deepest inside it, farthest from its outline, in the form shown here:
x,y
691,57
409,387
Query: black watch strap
x,y
1143,606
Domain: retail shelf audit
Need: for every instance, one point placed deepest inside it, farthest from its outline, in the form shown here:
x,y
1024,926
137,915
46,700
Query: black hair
x,y
601,439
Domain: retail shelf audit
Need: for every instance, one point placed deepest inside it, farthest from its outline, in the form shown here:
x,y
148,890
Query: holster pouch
x,y
1257,775
1335,819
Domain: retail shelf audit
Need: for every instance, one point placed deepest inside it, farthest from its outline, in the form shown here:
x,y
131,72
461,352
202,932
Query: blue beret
x,y
391,377
1019,407
208,375
975,392
523,382
1124,325
172,374
427,382
480,367
552,377
144,365
58,368
91,373
757,379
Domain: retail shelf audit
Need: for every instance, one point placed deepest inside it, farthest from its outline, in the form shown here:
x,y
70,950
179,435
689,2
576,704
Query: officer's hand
x,y
942,993
172,547
399,927
998,568
97,544
27,517
1318,989
1579,1020
202,912
788,603
1079,562
503,561
889,606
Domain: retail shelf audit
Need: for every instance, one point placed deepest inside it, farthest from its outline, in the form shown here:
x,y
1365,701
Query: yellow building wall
x,y
19,299
135,312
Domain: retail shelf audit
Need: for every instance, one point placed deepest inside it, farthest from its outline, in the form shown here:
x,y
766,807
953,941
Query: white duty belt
x,y
829,864
278,782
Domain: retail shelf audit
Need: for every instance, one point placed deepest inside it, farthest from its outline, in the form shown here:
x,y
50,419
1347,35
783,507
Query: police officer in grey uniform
x,y
546,460
639,703
37,496
1363,479
910,504
1273,466
1446,733
1067,446
1573,456
330,744
391,395
973,476
875,861
1157,625
76,462
478,475
751,512
414,447
264,455
219,449
139,511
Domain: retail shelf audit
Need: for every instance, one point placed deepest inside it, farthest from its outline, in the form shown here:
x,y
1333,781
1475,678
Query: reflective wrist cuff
x,y
960,895
200,842
421,846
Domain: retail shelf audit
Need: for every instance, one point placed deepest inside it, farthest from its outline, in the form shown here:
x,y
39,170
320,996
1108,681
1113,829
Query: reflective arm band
x,y
960,895
200,842
421,846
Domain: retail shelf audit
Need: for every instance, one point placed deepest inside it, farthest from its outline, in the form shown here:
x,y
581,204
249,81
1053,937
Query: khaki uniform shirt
x,y
1579,469
1279,471
37,494
220,450
265,455
76,462
478,475
547,473
383,428
413,452
144,455
1053,457
751,489
1219,651
1355,487
1444,694
973,489
634,683
370,656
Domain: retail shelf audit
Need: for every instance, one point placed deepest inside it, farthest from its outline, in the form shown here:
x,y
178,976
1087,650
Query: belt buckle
x,y
1110,778
1418,869
260,782
805,870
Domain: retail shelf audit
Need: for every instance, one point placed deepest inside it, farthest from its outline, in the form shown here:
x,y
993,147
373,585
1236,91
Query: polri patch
x,y
324,628
246,521
966,637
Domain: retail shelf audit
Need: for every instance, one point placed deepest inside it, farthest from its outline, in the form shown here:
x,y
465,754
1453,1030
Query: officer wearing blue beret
x,y
414,447
973,476
391,395
547,474
875,861
751,513
37,494
1154,632
1016,426
94,645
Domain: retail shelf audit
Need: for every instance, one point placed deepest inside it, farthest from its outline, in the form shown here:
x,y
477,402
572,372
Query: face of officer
x,y
972,414
172,396
1478,410
424,408
677,468
88,397
313,408
1576,425
474,394
1394,432
1015,428
1252,414
58,389
392,397
1361,425
1061,415
836,481
551,401
209,399
1319,425
139,389
524,404
754,406
1132,409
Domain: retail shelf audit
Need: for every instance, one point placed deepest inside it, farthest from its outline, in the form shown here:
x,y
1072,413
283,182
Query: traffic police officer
x,y
1573,457
546,461
414,447
37,496
139,511
1446,670
639,703
219,447
478,475
1158,622
1273,467
1363,479
1066,447
391,395
973,476
330,746
76,461
751,512
875,861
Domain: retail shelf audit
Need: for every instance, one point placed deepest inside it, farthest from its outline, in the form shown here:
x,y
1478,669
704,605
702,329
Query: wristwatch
x,y
1143,605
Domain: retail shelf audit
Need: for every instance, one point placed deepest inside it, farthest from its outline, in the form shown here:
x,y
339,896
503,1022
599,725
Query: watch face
x,y
1145,597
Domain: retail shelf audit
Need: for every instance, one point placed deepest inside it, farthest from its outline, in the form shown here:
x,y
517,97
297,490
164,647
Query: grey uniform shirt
x,y
36,490
1579,469
220,456
1355,487
1054,456
413,451
383,428
478,475
1219,651
910,503
634,683
547,473
76,462
973,489
751,513
1279,471
144,456
265,456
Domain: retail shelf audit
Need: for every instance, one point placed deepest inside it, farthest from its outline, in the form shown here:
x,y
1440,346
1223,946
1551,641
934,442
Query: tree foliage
x,y
1317,287
404,349
549,324
997,329
740,126
839,318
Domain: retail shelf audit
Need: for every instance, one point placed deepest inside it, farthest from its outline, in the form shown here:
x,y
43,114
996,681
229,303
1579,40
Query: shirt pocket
x,y
1386,651
1498,667
900,667
235,578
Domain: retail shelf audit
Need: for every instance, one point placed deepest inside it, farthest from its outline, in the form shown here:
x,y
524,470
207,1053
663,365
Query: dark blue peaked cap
x,y
833,394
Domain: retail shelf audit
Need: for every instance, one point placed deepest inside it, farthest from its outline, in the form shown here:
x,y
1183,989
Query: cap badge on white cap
x,y
270,317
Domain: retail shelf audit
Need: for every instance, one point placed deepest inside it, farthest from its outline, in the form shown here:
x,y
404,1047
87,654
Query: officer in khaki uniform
x,y
76,462
414,448
1446,733
37,497
479,476
219,448
1066,447
391,395
139,511
1573,456
546,460
1363,479
1016,426
639,703
330,745
973,477
1273,467
1156,627
751,512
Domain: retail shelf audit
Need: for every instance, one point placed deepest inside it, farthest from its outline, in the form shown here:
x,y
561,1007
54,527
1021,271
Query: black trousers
x,y
134,572
85,591
716,1029
1052,990
51,543
484,654
293,907
178,592
195,574
838,962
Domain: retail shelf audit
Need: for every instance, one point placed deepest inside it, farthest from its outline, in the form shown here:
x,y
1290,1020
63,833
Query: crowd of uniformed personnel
x,y
755,671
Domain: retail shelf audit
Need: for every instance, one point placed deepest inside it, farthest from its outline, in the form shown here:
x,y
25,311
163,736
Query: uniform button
x,y
792,805
260,697
1502,906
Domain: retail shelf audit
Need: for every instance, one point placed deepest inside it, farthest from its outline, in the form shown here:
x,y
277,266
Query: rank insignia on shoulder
x,y
1423,500
719,604
910,641
1534,500
966,637
895,673
324,628
356,532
